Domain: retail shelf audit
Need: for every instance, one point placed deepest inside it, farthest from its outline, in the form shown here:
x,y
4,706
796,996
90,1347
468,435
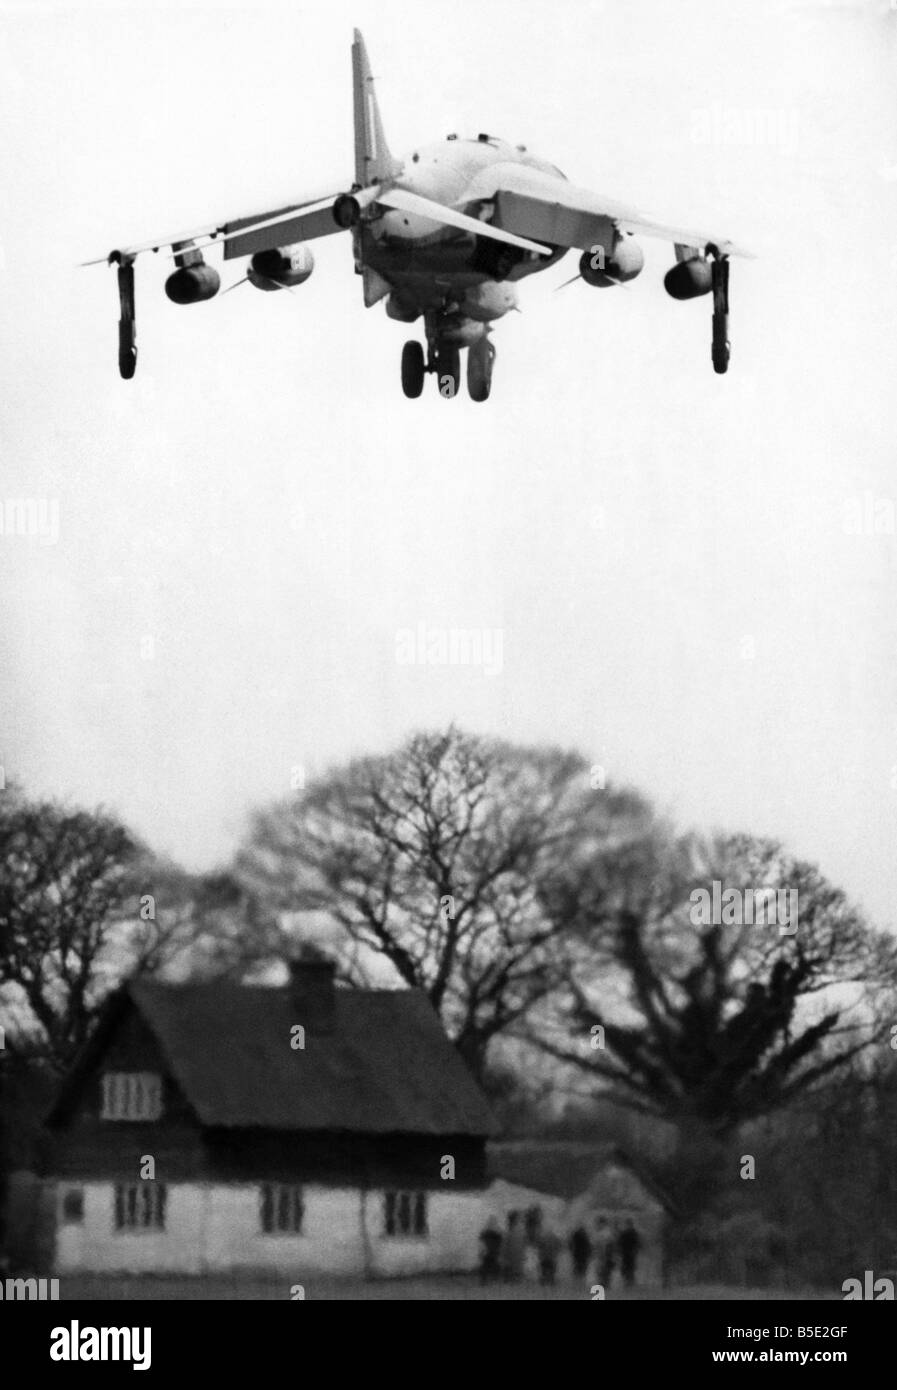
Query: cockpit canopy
x,y
519,153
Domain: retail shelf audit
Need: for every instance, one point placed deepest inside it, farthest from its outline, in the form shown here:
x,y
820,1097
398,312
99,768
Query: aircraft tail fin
x,y
373,161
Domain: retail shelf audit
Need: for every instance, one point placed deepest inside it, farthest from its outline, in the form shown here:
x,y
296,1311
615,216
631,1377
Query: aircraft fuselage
x,y
425,266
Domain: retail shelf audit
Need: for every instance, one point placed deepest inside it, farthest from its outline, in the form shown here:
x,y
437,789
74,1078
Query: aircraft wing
x,y
240,236
440,214
305,222
546,208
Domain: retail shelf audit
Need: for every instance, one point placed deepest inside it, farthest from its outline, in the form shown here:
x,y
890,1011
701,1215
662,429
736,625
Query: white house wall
x,y
94,1244
216,1228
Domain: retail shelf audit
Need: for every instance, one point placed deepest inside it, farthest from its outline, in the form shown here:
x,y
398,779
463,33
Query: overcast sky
x,y
693,576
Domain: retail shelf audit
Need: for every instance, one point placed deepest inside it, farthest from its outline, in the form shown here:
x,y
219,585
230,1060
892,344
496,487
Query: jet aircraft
x,y
445,235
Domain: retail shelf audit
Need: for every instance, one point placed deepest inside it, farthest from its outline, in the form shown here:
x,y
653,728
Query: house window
x,y
73,1206
140,1206
283,1209
131,1095
405,1214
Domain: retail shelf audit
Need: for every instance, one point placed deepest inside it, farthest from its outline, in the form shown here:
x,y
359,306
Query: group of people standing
x,y
530,1246
611,1250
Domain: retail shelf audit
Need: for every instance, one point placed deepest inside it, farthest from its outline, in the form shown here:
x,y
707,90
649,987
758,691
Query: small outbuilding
x,y
578,1184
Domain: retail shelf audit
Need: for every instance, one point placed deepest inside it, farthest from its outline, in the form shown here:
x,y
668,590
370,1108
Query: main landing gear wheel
x,y
412,369
480,358
448,370
719,270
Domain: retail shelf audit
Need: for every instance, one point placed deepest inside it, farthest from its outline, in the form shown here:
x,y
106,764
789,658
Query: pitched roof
x,y
567,1169
386,1067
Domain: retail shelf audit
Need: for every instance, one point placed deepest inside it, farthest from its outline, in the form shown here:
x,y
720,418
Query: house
x,y
302,1129
576,1184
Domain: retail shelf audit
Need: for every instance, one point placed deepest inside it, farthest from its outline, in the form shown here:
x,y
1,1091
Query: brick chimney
x,y
312,990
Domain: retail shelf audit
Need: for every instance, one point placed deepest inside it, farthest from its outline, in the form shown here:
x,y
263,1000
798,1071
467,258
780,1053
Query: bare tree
x,y
61,884
430,859
708,1024
82,905
178,924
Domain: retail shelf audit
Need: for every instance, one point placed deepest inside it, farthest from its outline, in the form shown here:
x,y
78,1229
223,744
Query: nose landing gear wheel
x,y
480,358
412,369
448,371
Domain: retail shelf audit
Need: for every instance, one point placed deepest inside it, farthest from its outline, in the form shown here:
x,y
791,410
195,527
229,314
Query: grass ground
x,y
441,1288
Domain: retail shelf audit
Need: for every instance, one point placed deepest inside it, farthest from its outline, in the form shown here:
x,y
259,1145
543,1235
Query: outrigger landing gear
x,y
719,271
127,324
